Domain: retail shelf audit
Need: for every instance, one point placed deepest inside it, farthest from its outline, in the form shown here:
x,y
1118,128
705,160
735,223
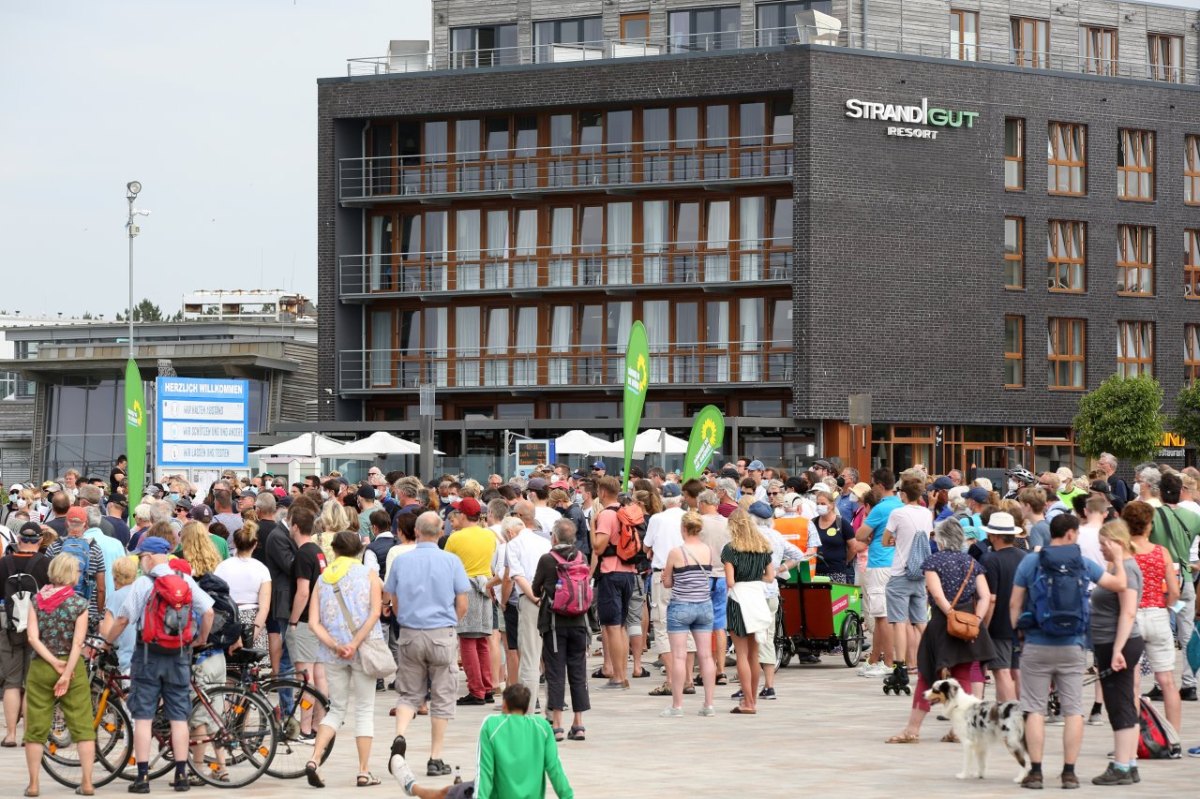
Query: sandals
x,y
721,679
30,792
310,773
366,779
558,734
904,738
643,673
743,711
662,690
689,689
950,738
577,733
81,792
8,743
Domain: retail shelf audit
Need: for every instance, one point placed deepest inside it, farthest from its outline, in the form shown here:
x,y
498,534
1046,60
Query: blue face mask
x,y
173,497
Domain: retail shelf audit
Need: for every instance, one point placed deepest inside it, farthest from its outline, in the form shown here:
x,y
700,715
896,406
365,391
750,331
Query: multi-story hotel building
x,y
971,211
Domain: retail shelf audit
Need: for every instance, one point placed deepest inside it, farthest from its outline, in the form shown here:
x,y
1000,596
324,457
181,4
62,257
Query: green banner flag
x,y
708,431
135,433
637,380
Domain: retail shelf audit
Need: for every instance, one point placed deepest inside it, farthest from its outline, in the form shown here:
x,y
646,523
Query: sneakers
x,y
878,669
398,766
437,768
1095,720
471,699
399,747
707,710
1032,780
1155,694
1133,775
1071,780
1055,719
1188,694
672,713
737,694
766,693
489,698
1194,751
139,786
1114,776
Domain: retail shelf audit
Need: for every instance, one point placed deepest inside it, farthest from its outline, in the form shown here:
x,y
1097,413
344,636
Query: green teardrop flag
x,y
637,380
708,431
135,433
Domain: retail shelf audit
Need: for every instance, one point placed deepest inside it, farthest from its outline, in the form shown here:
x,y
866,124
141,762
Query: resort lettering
x,y
912,115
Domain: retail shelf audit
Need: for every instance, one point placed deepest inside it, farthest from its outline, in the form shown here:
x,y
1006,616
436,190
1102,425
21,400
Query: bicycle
x,y
236,723
293,696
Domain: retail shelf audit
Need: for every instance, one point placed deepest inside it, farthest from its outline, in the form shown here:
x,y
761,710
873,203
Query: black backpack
x,y
227,626
20,589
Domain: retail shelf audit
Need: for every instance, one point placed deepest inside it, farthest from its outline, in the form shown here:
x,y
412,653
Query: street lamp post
x,y
132,189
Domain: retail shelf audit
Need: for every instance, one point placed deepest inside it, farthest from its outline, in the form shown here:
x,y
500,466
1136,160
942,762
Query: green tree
x,y
1123,416
144,311
1186,421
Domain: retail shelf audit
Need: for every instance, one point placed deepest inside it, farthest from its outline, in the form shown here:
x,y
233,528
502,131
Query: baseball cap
x,y
51,486
1101,487
943,484
860,490
30,532
979,495
822,488
755,466
536,483
184,502
670,490
469,507
578,474
366,492
15,487
1002,523
201,513
152,545
823,464
76,514
599,465
279,492
761,509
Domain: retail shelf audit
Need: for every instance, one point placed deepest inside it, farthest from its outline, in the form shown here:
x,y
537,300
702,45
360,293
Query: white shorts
x,y
875,592
1155,626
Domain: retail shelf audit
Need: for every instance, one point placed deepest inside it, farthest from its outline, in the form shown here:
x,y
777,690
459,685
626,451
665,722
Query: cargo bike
x,y
818,616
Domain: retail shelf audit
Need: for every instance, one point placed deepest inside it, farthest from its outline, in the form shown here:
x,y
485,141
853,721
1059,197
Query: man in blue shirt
x,y
879,568
1059,660
427,590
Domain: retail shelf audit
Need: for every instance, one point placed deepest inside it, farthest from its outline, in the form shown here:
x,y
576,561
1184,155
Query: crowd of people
x,y
511,583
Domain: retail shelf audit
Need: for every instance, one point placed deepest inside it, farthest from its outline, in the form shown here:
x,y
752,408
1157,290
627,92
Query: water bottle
x,y
457,775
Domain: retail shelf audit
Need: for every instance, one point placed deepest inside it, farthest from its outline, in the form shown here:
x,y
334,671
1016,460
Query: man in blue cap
x,y
599,469
159,674
755,471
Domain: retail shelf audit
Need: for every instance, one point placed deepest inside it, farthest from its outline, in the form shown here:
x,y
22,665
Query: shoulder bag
x,y
960,623
373,654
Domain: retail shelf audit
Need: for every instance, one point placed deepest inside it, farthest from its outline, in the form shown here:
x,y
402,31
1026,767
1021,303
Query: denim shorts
x,y
168,677
720,603
693,617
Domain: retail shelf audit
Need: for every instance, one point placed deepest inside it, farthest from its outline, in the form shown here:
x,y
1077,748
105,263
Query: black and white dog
x,y
977,722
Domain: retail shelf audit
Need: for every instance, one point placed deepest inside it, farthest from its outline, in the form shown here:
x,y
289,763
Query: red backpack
x,y
573,591
627,543
1158,739
167,624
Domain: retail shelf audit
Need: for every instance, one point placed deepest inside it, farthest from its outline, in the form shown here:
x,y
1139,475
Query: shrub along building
x,y
970,211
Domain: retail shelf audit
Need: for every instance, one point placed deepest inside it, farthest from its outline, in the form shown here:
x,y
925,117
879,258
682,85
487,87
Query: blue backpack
x,y
81,548
1057,604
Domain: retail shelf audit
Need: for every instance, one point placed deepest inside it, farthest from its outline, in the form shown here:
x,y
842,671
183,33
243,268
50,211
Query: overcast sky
x,y
210,103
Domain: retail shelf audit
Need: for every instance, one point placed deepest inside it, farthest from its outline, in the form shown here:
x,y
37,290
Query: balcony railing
x,y
537,170
931,46
539,368
551,268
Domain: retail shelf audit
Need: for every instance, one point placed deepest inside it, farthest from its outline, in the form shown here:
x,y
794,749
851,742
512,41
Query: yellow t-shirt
x,y
474,546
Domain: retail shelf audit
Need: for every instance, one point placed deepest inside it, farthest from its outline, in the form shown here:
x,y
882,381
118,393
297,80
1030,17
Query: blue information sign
x,y
202,422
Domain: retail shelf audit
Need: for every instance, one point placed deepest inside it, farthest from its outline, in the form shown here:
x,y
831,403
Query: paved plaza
x,y
823,736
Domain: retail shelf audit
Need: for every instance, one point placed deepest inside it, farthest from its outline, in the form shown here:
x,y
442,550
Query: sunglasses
x,y
772,493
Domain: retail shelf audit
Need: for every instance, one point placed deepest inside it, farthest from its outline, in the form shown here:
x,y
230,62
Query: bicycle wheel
x,y
114,745
293,751
238,734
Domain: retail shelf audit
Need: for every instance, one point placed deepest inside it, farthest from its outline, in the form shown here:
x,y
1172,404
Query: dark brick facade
x,y
899,242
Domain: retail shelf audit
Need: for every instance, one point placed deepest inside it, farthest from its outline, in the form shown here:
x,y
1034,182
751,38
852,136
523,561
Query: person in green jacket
x,y
508,746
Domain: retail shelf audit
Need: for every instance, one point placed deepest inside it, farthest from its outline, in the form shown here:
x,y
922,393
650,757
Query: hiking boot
x,y
1070,780
1032,780
437,768
1133,774
1113,776
139,786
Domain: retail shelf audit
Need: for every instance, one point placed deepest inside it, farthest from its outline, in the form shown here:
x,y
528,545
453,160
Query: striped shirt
x,y
691,582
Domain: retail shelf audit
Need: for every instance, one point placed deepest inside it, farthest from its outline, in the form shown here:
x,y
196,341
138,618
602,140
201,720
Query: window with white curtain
x,y
381,239
716,337
495,369
685,363
716,260
525,364
466,346
525,266
750,233
381,348
408,333
656,316
562,229
779,364
781,237
620,244
655,219
437,246
560,345
495,275
750,333
620,320
591,245
437,332
466,244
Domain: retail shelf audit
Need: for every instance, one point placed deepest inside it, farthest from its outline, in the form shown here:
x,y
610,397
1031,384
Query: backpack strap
x,y
1172,532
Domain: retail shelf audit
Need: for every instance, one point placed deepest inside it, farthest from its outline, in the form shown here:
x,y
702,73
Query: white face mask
x,y
822,510
1013,485
780,513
